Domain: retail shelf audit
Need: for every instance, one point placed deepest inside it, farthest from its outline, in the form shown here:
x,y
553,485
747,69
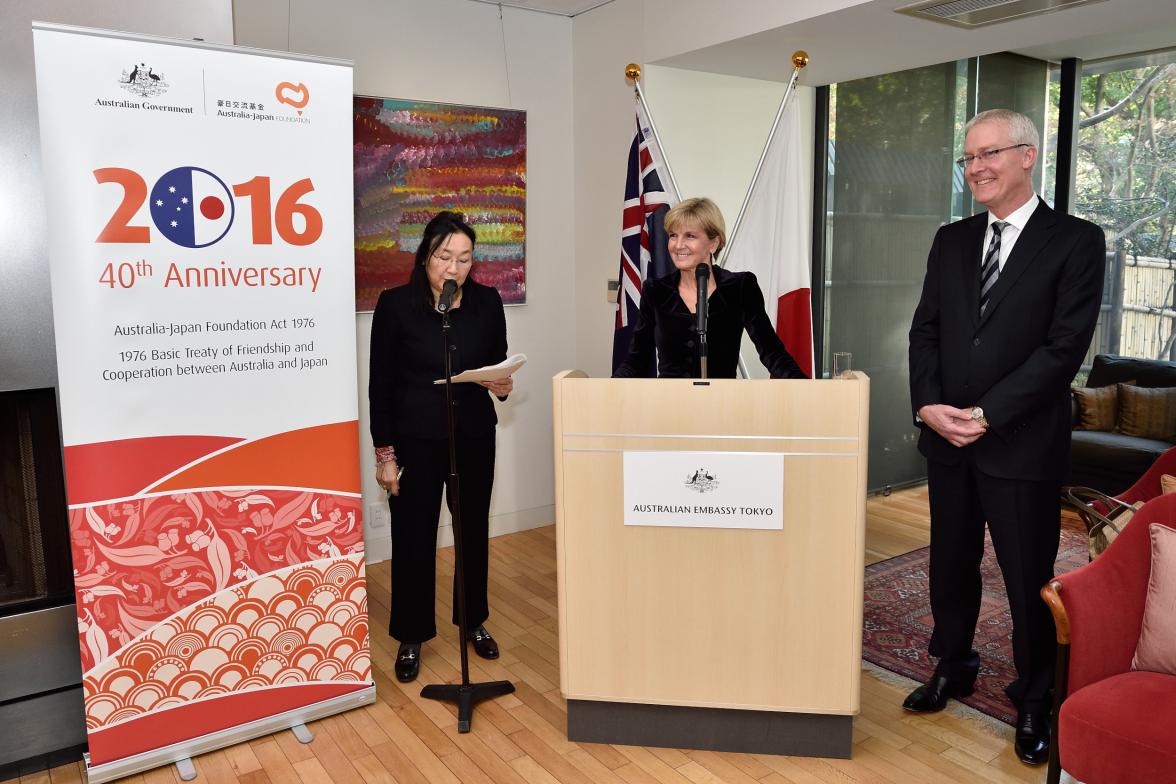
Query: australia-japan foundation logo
x,y
143,80
287,104
296,96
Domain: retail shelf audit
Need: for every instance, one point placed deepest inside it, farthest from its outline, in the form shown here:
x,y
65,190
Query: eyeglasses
x,y
445,261
986,156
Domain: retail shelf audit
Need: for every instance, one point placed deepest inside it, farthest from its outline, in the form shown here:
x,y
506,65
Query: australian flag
x,y
644,254
192,207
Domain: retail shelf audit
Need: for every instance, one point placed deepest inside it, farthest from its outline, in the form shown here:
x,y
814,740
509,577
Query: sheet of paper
x,y
490,372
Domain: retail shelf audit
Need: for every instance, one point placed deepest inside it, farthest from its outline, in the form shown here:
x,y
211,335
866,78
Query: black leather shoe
x,y
408,662
484,644
1032,743
933,695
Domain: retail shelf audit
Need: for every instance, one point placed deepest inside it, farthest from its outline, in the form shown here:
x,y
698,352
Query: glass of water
x,y
842,365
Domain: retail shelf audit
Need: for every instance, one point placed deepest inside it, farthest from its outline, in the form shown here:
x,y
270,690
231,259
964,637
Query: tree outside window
x,y
1126,183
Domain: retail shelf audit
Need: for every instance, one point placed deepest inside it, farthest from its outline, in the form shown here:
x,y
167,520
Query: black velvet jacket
x,y
665,322
406,358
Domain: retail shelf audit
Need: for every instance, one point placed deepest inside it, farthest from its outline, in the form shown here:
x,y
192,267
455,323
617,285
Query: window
x,y
891,183
1125,181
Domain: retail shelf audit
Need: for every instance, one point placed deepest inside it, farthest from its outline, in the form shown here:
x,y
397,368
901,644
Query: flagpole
x,y
800,59
633,74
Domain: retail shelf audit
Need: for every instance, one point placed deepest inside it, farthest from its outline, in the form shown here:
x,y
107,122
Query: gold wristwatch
x,y
978,417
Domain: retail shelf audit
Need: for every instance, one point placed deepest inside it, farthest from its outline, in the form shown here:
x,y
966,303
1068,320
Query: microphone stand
x,y
465,695
701,284
702,351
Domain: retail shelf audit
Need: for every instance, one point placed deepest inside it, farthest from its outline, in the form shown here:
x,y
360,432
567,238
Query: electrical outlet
x,y
377,515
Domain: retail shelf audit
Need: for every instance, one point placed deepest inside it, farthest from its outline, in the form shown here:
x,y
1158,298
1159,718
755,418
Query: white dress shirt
x,y
1014,225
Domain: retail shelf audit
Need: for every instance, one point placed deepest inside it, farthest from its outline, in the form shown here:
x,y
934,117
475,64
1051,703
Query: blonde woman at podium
x,y
695,316
410,431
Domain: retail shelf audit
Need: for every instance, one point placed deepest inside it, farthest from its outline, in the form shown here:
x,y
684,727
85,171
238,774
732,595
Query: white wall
x,y
604,41
713,127
567,74
455,51
674,27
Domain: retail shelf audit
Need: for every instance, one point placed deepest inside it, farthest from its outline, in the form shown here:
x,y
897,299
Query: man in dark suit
x,y
1007,312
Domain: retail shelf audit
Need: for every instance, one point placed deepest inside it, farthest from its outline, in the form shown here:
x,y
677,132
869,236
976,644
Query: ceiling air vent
x,y
977,13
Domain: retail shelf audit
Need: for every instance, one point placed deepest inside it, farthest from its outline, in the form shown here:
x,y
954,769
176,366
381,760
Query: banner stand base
x,y
186,769
180,753
302,733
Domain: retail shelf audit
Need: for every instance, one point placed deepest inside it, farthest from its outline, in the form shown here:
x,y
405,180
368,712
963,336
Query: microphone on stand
x,y
448,290
701,280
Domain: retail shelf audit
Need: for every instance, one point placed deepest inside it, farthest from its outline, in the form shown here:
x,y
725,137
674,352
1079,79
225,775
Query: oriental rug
x,y
898,621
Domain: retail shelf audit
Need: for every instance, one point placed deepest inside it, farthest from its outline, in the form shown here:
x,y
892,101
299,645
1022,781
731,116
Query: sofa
x,y
1108,453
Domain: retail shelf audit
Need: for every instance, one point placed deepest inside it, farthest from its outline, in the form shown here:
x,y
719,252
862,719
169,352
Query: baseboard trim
x,y
502,524
379,547
711,729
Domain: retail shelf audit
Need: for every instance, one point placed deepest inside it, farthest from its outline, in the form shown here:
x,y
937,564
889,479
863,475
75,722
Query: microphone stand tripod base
x,y
466,696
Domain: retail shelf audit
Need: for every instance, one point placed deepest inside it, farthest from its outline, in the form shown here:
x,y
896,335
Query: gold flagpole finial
x,y
799,58
633,72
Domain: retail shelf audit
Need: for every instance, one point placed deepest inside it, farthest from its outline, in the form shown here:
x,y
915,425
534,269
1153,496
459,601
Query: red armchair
x,y
1148,485
1111,724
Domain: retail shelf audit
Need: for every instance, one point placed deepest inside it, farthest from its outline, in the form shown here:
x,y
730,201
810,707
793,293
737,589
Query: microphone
x,y
447,292
701,279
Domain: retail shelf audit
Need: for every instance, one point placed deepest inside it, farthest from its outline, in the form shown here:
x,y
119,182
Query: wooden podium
x,y
728,639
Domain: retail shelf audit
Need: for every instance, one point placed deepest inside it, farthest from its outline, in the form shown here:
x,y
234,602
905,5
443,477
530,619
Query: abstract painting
x,y
414,159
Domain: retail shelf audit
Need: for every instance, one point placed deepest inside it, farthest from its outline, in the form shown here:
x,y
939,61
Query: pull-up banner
x,y
200,216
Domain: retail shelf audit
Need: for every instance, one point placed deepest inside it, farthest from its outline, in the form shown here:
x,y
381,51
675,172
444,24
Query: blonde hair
x,y
702,211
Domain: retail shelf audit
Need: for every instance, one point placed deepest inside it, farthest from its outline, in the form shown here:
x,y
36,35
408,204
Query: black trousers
x,y
415,514
1024,520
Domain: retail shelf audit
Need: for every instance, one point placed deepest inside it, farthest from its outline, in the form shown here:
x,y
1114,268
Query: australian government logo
x,y
146,83
141,80
702,481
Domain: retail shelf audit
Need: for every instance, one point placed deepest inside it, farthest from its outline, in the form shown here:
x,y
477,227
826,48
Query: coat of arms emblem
x,y
702,481
143,80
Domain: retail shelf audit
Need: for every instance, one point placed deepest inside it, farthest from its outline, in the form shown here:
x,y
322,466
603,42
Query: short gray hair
x,y
1021,129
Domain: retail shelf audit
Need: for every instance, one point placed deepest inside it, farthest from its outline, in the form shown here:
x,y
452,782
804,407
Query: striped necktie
x,y
991,269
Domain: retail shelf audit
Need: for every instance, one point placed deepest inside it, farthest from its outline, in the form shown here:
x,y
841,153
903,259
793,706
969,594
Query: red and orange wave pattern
x,y
281,642
140,561
414,159
219,580
301,625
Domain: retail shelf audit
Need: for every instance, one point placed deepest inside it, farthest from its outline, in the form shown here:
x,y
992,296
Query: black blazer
x,y
665,322
1017,361
406,358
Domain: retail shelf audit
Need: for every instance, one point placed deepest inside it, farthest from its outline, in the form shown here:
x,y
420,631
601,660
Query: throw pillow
x,y
1156,650
1167,484
1098,407
1147,412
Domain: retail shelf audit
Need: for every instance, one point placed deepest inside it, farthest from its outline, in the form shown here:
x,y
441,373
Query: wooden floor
x,y
521,738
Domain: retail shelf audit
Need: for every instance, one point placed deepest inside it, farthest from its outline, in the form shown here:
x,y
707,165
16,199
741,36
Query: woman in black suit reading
x,y
734,304
408,424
